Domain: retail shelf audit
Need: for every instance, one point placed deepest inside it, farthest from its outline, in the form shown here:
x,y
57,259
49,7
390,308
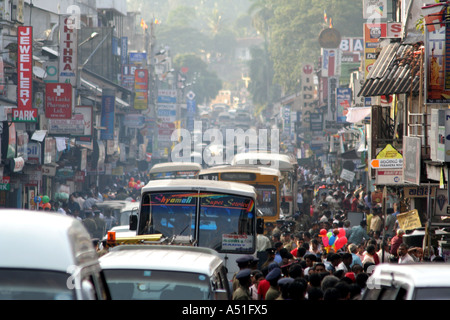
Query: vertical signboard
x,y
68,44
333,83
372,33
124,50
331,62
141,89
307,104
344,98
191,106
107,115
411,159
24,111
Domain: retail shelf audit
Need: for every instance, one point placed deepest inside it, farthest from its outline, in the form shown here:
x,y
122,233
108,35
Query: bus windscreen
x,y
226,223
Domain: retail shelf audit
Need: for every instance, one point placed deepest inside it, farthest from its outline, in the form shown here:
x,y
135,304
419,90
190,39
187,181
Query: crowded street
x,y
224,150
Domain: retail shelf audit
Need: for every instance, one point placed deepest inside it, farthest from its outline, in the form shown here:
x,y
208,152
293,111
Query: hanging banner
x,y
24,111
68,44
344,99
141,89
107,115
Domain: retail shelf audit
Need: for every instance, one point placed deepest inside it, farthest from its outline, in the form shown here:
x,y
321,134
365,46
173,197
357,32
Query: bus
x,y
287,164
175,170
214,214
267,182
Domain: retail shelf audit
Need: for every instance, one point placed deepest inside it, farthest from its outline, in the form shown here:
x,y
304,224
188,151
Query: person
x,y
416,253
110,220
89,202
278,246
262,242
310,260
387,256
353,250
100,230
299,199
89,223
355,202
288,243
270,257
358,233
396,241
347,203
73,203
244,282
273,277
347,260
243,263
256,277
283,285
391,221
376,223
403,255
334,259
370,256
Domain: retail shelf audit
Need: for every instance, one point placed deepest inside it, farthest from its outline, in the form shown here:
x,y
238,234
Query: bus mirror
x,y
133,222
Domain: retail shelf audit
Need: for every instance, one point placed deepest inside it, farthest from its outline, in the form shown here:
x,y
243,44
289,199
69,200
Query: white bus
x,y
175,170
214,214
287,164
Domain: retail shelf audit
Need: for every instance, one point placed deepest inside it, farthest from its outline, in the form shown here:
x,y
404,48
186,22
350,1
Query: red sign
x,y
58,100
24,111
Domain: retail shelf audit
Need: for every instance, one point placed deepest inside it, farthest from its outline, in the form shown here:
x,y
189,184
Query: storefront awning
x,y
396,71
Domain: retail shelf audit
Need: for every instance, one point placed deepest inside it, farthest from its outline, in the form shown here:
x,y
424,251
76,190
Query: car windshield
x,y
34,285
127,284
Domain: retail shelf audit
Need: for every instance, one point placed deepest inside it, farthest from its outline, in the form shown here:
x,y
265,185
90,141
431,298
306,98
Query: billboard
x,y
141,89
372,33
24,111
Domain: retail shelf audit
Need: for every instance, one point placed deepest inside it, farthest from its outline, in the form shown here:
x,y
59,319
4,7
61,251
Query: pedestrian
x,y
391,221
347,260
243,263
376,223
256,277
358,233
73,203
273,277
403,255
242,291
89,202
270,257
396,241
89,223
370,256
353,250
100,230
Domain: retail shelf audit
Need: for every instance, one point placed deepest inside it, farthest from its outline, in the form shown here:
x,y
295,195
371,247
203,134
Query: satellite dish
x,y
39,72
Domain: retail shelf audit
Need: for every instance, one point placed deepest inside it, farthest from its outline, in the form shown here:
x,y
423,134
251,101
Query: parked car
x,y
418,281
47,256
165,272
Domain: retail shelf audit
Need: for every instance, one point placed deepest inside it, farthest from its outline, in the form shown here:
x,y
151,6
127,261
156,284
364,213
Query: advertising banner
x,y
107,115
331,62
141,89
372,34
411,156
68,44
24,111
344,99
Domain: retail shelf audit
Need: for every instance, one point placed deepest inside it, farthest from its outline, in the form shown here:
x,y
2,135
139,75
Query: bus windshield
x,y
223,222
267,200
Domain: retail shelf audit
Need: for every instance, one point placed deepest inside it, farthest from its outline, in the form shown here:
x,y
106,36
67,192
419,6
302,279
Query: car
x,y
47,256
415,281
120,209
165,272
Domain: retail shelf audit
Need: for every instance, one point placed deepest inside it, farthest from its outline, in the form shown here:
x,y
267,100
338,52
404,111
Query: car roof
x,y
162,257
418,274
43,240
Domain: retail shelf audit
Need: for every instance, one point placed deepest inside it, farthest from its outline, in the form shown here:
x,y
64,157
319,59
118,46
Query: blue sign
x,y
190,110
107,115
138,57
167,99
124,50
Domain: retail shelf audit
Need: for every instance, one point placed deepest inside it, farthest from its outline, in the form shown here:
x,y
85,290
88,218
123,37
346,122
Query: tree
x,y
204,83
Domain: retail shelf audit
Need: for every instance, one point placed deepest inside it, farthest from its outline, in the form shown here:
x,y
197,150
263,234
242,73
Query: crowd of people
x,y
294,263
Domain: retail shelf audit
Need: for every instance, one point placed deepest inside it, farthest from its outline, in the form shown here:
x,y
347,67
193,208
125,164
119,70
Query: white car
x,y
416,281
165,272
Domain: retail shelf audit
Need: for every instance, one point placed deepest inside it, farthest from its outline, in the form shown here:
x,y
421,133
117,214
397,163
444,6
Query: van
x,y
165,272
417,281
120,209
47,256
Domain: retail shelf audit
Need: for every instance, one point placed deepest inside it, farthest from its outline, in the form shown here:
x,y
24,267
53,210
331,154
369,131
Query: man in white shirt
x,y
403,256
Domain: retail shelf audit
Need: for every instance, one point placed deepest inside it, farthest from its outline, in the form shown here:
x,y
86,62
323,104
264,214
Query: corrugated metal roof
x,y
396,70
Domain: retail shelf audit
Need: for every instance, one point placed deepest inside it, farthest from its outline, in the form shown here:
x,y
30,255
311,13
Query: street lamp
x,y
92,36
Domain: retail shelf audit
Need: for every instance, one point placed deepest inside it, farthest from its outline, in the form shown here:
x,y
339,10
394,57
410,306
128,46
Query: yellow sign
x,y
389,152
409,220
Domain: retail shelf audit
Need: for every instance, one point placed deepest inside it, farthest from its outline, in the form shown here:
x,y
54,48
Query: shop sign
x,y
5,184
58,101
68,44
24,112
